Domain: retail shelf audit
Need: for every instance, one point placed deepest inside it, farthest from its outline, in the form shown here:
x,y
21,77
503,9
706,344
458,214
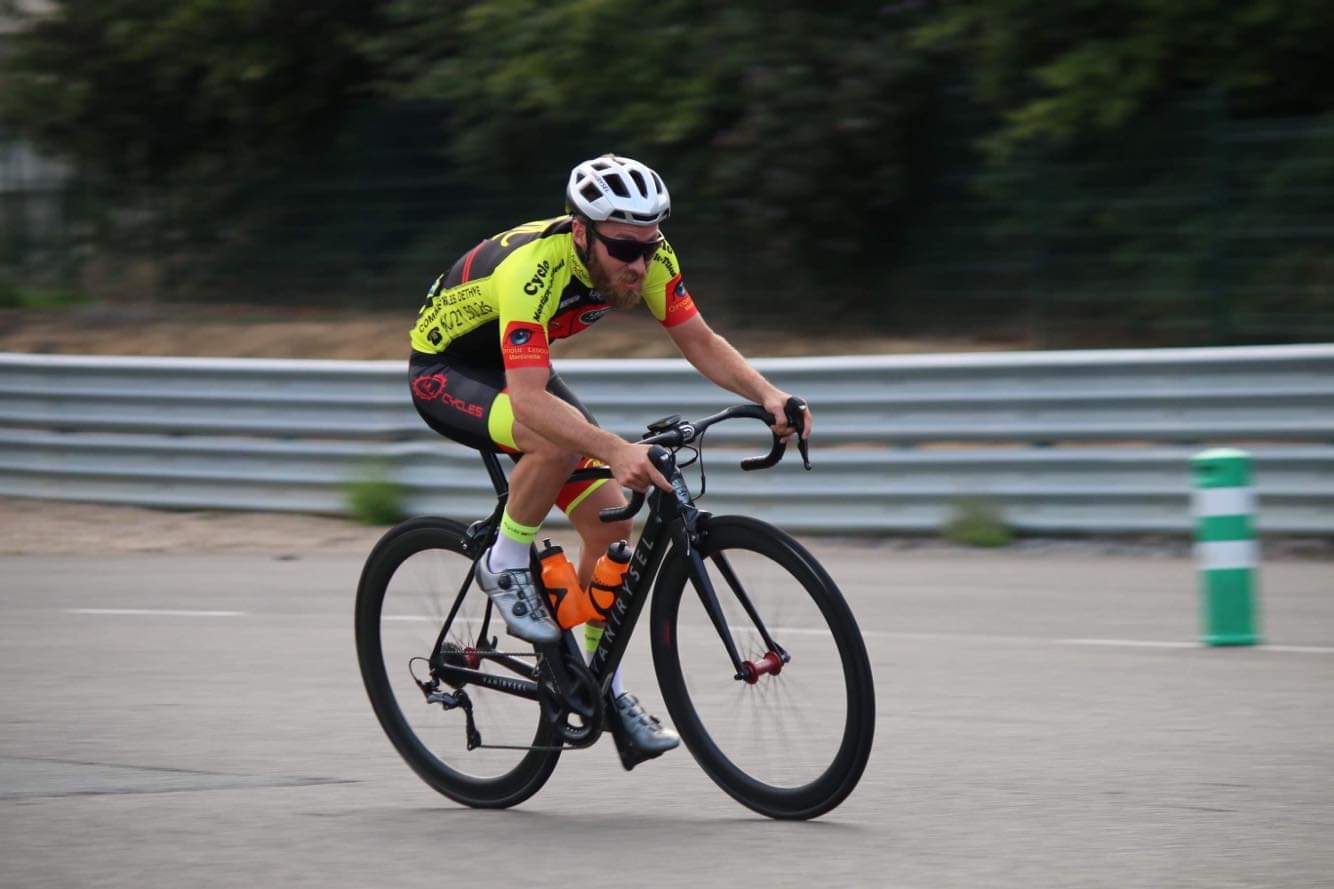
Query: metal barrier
x,y
1094,442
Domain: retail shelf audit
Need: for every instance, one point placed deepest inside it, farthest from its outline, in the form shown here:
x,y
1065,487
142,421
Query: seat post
x,y
498,480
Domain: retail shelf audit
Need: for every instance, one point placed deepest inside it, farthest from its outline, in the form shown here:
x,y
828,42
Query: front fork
x,y
688,534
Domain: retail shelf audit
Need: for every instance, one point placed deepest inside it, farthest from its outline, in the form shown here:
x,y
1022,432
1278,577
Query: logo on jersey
x,y
592,315
525,345
680,307
540,275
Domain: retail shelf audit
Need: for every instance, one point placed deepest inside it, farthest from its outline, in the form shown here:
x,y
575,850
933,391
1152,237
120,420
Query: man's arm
x,y
716,359
546,416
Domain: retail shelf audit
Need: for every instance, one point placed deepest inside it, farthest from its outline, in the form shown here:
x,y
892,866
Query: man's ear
x,y
580,234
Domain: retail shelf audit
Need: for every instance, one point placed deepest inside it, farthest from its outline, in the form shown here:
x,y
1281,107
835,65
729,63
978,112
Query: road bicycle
x,y
763,669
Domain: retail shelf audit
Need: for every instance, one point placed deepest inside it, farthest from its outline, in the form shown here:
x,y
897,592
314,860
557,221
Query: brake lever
x,y
796,418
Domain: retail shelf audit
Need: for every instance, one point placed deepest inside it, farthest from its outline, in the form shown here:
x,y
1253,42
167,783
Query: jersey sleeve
x,y
665,291
528,286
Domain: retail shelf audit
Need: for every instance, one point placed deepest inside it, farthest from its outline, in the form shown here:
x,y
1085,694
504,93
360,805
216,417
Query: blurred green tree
x,y
140,91
1080,70
792,122
1139,149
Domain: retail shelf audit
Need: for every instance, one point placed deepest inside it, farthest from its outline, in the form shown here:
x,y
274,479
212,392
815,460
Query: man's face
x,y
620,283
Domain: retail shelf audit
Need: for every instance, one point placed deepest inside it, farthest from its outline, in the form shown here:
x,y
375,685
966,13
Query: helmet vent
x,y
618,185
590,192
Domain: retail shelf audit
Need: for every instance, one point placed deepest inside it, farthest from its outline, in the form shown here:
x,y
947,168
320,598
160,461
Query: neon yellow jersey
x,y
503,301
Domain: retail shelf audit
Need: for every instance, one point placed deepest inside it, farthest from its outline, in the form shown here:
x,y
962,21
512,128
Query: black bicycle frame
x,y
672,518
635,586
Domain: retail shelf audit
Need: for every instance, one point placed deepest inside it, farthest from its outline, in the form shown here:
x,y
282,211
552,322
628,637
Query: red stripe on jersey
x,y
524,344
467,263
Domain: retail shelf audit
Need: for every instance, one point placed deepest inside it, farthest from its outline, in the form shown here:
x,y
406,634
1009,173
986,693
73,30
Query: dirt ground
x,y
44,527
312,332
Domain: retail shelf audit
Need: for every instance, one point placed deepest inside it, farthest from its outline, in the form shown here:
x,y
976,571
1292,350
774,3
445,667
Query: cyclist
x,y
481,375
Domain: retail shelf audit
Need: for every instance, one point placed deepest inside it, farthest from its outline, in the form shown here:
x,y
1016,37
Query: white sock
x,y
507,552
617,686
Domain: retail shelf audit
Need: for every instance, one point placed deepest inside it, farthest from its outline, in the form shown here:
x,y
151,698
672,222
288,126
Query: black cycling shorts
x,y
470,405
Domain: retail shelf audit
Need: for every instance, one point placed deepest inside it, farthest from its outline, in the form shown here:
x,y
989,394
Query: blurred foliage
x,y
144,90
977,522
791,123
1151,171
375,499
14,296
1085,70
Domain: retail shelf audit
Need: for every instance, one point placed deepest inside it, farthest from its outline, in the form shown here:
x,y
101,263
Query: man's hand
x,y
633,469
774,403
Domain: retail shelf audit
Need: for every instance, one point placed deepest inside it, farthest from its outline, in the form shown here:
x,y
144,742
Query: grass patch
x,y
376,500
977,522
13,296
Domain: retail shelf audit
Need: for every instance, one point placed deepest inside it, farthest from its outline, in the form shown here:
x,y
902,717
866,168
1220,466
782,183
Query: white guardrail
x,y
1093,441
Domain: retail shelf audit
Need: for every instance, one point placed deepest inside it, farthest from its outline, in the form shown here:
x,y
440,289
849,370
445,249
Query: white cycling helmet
x,y
618,189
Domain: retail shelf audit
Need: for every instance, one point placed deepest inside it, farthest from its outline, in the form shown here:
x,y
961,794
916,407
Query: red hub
x,y
472,658
752,670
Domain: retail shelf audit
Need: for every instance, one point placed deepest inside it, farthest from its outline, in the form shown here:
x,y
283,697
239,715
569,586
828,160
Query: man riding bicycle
x,y
481,375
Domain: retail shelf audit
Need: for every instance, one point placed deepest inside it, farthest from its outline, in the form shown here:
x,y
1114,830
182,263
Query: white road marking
x,y
1022,640
155,611
1129,643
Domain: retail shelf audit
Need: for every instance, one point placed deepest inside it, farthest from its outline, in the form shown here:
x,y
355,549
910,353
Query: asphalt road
x,y
173,721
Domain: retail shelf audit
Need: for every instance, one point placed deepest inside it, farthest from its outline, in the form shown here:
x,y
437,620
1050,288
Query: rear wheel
x,y
794,742
412,579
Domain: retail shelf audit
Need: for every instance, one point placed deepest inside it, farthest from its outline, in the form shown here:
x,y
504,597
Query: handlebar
x,y
794,410
684,432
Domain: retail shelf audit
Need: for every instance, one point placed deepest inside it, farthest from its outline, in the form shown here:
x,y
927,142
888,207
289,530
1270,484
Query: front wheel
x,y
793,743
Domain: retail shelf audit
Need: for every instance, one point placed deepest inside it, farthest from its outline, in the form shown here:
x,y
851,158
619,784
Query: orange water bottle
x,y
608,574
569,602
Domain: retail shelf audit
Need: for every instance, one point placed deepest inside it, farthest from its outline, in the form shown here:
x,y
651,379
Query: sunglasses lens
x,y
628,249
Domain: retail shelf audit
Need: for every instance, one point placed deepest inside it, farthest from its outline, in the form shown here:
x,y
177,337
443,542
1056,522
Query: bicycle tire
x,y
442,538
775,563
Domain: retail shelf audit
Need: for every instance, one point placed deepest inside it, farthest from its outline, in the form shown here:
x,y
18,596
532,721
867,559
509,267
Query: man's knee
x,y
555,456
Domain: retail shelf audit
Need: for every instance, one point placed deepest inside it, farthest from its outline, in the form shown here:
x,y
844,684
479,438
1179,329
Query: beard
x,y
625,290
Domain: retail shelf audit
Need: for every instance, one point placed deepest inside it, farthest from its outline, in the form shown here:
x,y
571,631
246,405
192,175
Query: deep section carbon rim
x,y
793,743
410,583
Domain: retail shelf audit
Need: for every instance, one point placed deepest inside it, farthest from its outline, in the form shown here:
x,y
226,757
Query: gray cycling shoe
x,y
641,729
518,601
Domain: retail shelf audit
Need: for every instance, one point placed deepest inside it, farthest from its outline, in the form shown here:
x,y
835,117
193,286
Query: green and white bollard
x,y
1225,547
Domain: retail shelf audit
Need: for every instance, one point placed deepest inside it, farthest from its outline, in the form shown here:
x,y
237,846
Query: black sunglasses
x,y
627,249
